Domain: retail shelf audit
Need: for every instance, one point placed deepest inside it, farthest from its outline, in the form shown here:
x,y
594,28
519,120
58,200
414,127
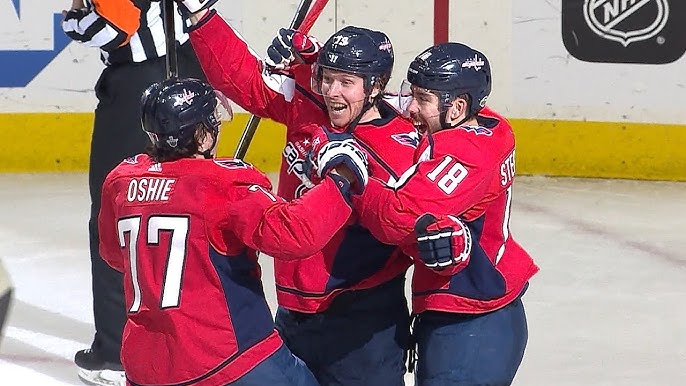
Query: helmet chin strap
x,y
446,125
444,115
365,107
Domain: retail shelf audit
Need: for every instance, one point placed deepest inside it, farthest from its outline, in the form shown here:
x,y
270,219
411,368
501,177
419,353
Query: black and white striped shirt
x,y
125,30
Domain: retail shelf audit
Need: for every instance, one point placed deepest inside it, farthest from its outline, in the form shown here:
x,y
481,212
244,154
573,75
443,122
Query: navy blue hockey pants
x,y
361,340
281,369
469,350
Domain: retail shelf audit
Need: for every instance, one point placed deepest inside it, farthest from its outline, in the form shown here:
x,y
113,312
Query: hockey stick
x,y
302,21
170,38
306,25
5,296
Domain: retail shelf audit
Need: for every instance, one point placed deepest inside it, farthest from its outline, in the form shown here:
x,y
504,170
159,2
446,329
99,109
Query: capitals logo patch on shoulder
x,y
478,130
232,163
408,139
132,160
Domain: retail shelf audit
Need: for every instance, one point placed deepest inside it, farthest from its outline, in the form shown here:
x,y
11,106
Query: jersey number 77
x,y
176,256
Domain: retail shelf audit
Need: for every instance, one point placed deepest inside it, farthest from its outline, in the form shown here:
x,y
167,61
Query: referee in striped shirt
x,y
130,36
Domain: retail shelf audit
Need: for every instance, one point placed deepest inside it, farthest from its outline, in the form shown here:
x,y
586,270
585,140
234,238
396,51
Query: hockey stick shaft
x,y
311,16
300,13
170,38
5,296
302,21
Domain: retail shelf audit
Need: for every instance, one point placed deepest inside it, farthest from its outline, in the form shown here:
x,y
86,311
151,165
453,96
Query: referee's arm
x,y
106,24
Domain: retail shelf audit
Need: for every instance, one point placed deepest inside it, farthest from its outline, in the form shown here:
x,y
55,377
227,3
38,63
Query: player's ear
x,y
457,109
376,90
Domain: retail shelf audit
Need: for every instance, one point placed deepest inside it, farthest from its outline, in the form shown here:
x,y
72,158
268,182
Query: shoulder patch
x,y
232,163
132,160
478,130
409,139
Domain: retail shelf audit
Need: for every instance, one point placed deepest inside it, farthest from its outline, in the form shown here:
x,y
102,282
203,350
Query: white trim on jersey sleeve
x,y
280,83
425,156
403,178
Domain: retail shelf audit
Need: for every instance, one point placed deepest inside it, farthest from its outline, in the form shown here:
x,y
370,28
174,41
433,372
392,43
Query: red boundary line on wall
x,y
441,18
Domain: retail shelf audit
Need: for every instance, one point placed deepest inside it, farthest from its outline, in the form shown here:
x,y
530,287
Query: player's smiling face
x,y
344,96
424,110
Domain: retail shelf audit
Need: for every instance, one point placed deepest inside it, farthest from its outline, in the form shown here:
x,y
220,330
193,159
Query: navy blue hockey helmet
x,y
451,70
172,109
358,51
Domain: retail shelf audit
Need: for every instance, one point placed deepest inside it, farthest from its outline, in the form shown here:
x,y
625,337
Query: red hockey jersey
x,y
185,234
465,171
353,259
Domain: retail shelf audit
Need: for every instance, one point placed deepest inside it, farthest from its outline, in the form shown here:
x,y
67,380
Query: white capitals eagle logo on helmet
x,y
476,63
184,98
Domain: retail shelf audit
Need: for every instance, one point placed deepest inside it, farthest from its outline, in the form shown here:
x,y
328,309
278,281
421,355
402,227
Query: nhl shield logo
x,y
610,19
624,31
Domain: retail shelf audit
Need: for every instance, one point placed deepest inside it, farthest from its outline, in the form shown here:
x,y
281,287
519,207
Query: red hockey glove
x,y
290,47
443,241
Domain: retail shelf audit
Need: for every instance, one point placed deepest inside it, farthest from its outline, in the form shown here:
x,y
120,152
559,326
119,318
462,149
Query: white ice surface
x,y
606,308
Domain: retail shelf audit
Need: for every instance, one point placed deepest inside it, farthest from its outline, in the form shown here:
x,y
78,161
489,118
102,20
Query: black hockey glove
x,y
442,242
289,47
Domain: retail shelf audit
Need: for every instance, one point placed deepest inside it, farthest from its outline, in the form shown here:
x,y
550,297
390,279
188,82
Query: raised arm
x,y
233,68
105,24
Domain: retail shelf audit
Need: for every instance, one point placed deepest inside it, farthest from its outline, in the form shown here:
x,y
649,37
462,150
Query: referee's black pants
x,y
117,134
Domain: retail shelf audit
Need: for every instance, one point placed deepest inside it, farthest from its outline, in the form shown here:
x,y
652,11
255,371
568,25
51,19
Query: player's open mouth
x,y
337,107
419,125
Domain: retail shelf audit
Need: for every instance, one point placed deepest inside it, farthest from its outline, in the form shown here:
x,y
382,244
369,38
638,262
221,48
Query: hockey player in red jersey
x,y
343,310
184,228
452,208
